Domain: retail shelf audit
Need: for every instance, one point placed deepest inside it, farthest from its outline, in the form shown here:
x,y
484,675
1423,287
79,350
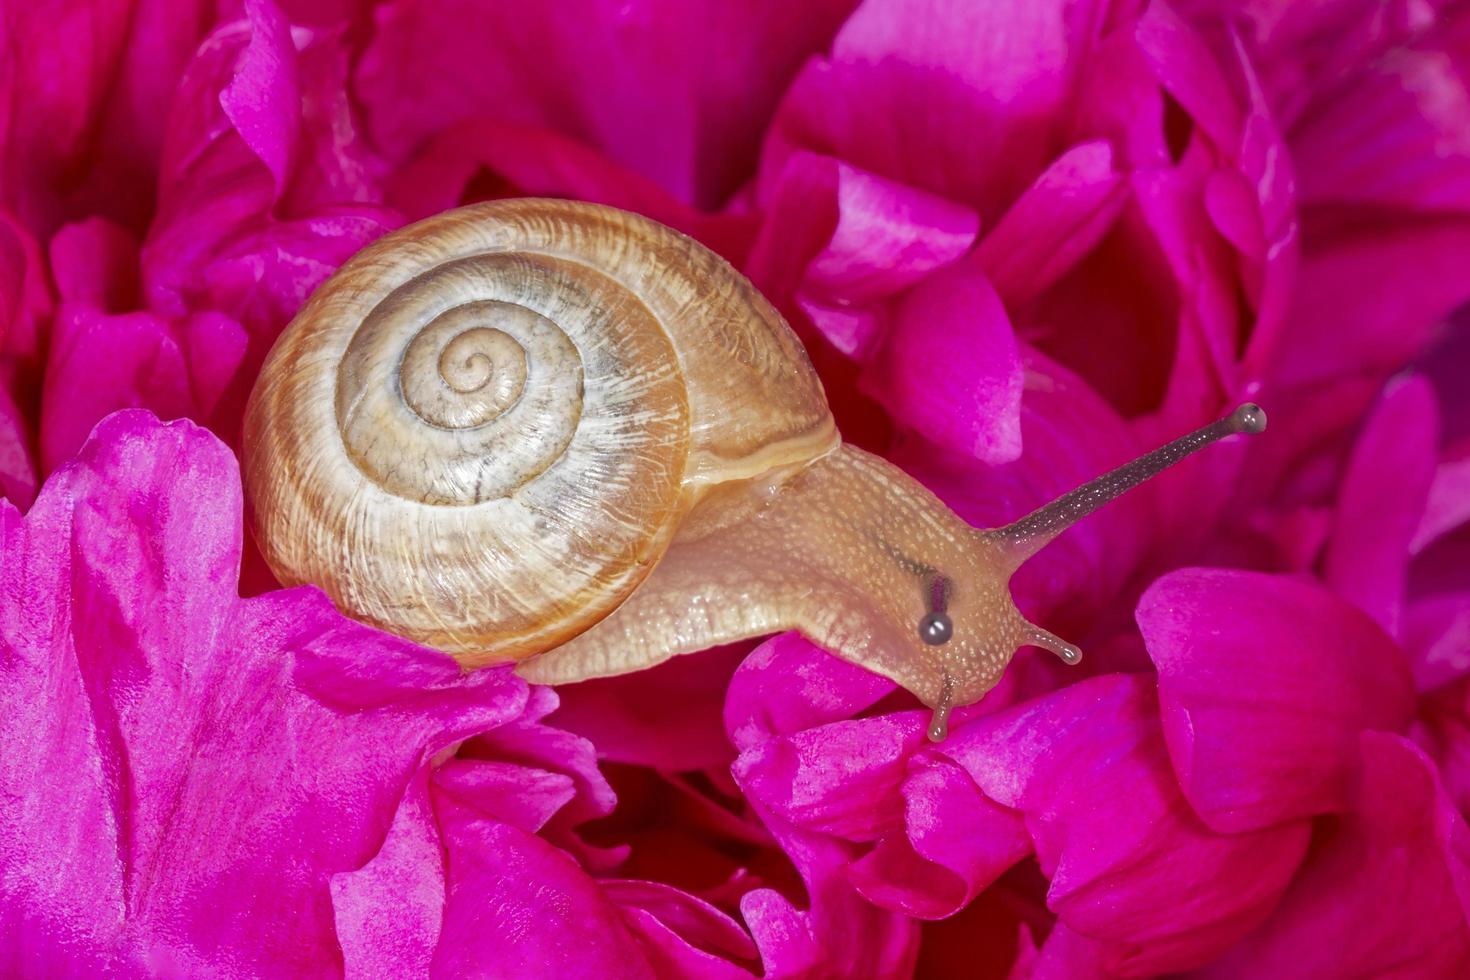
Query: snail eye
x,y
936,629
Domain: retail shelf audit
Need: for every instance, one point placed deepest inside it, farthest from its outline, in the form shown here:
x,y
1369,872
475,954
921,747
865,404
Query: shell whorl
x,y
476,433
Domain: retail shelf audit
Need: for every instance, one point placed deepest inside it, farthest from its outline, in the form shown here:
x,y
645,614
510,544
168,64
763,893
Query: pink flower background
x,y
1023,240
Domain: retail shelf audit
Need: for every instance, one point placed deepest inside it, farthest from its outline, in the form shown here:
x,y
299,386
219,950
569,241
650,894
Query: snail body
x,y
561,434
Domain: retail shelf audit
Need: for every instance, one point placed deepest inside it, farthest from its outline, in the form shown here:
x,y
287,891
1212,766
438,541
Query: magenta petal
x,y
839,934
17,460
888,236
95,263
177,752
951,368
957,99
388,911
681,935
1448,505
1130,863
788,684
513,160
1394,135
517,906
512,794
265,80
1386,890
1369,297
956,842
99,364
1382,500
678,92
1059,219
1264,684
215,348
840,779
1437,638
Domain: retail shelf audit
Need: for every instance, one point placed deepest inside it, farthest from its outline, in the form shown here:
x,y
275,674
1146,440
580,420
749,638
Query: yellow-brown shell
x,y
484,430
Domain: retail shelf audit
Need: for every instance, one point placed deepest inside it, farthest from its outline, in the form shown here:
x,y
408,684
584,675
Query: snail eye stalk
x,y
936,628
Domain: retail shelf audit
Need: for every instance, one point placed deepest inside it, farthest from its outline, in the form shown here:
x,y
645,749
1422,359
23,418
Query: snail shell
x,y
484,431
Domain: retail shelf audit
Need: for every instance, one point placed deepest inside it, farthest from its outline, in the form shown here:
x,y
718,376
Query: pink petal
x,y
1190,72
839,933
387,912
1448,505
564,766
333,163
680,934
265,80
1393,136
1382,500
504,791
17,459
482,158
1437,638
1370,296
886,238
788,685
262,278
25,298
516,906
950,368
215,347
678,92
1060,218
1385,890
841,779
1131,865
955,99
1129,299
178,752
95,262
101,363
955,843
1264,684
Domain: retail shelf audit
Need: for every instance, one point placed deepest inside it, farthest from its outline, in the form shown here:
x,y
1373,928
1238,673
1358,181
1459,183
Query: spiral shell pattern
x,y
476,434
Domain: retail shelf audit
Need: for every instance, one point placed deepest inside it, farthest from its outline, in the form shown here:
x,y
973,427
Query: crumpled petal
x,y
839,933
1387,889
788,685
257,100
1131,866
172,752
676,91
1382,500
264,80
515,905
1265,683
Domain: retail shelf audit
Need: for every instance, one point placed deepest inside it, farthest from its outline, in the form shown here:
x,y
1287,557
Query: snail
x,y
560,434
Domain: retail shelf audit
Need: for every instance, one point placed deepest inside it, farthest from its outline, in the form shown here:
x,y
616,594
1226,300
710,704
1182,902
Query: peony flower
x,y
1023,242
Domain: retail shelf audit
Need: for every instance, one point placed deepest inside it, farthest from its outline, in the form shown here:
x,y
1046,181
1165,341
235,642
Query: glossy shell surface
x,y
484,431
